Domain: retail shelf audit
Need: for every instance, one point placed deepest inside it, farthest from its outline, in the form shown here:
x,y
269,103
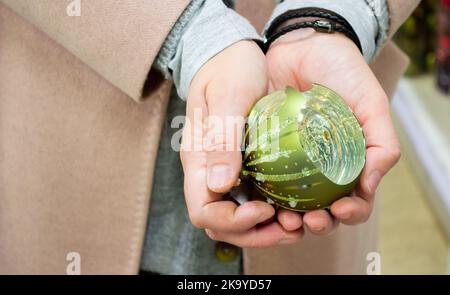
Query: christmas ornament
x,y
303,150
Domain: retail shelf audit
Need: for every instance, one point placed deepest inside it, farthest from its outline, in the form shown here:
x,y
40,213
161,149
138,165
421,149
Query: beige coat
x,y
79,130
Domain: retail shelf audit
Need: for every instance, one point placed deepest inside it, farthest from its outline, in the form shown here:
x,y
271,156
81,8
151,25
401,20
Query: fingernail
x,y
374,180
219,175
346,215
319,229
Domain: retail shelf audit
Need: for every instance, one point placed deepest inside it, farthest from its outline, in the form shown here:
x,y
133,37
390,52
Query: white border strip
x,y
431,145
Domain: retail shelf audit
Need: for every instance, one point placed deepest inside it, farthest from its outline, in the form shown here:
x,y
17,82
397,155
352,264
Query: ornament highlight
x,y
303,150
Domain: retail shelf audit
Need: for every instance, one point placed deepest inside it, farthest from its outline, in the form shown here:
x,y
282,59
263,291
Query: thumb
x,y
227,112
383,149
379,160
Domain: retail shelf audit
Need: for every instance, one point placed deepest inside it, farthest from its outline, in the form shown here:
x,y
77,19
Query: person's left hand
x,y
303,57
222,92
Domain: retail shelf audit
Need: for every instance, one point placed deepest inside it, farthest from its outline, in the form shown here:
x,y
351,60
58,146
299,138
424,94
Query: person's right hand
x,y
303,57
225,89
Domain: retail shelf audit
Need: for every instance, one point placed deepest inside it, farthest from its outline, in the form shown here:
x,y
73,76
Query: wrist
x,y
369,19
321,20
309,38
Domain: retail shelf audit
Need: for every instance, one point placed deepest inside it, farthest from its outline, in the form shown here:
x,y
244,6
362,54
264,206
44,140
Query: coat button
x,y
226,252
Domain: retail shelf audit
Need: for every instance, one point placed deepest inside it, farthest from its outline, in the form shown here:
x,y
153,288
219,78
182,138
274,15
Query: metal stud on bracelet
x,y
324,26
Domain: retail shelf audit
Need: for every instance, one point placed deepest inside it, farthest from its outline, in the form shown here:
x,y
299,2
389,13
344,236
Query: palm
x,y
304,57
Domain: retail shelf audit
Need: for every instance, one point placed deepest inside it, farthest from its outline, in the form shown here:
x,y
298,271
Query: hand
x,y
303,57
220,97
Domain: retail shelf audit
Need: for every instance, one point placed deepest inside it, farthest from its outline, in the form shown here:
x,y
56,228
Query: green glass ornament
x,y
303,150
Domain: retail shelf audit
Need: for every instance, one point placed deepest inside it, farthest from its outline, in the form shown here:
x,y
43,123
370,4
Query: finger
x,y
228,107
289,220
226,216
379,160
260,237
382,153
352,210
206,208
319,222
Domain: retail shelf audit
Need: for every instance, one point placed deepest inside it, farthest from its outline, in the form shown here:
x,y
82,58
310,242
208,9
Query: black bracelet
x,y
328,22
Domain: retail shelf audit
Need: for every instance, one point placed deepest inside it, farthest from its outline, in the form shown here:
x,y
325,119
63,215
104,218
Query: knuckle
x,y
230,223
229,90
252,243
364,218
196,220
392,156
366,214
212,234
218,142
235,92
396,153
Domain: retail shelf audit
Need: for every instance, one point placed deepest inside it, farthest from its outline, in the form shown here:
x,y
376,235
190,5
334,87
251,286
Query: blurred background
x,y
415,196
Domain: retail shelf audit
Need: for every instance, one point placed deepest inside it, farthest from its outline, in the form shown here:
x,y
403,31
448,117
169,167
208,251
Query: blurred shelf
x,y
424,116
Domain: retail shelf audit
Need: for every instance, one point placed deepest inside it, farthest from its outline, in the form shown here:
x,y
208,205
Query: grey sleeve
x,y
205,28
369,19
169,46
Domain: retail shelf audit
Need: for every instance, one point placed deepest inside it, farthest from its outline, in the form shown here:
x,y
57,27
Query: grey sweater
x,y
172,245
